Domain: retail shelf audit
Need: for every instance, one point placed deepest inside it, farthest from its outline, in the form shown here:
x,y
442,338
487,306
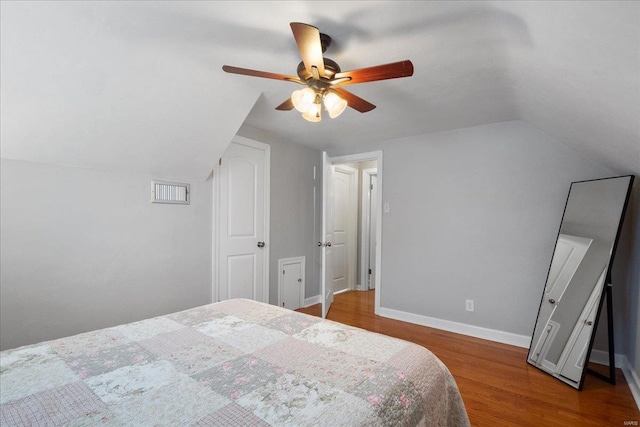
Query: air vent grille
x,y
170,192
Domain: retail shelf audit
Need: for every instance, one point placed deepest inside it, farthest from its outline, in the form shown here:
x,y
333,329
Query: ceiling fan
x,y
323,77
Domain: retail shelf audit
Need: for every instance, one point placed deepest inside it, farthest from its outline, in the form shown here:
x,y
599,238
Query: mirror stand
x,y
579,280
611,379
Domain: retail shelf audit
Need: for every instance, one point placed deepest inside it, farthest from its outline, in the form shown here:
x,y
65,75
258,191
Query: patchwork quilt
x,y
232,363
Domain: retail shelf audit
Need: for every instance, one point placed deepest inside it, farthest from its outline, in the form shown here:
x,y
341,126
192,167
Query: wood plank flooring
x,y
497,385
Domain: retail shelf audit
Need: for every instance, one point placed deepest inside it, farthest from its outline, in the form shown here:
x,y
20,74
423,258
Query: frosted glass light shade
x,y
313,114
334,104
303,99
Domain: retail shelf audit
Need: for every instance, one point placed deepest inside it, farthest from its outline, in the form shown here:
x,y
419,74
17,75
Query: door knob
x,y
552,301
329,244
320,244
261,244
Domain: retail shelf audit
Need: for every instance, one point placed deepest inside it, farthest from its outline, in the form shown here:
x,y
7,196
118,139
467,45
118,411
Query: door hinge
x,y
282,271
369,271
220,161
370,186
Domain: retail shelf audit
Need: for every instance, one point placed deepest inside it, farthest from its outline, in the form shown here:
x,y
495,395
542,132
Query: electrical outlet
x,y
469,305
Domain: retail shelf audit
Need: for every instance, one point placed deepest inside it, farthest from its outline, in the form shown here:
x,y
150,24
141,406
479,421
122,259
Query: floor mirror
x,y
579,280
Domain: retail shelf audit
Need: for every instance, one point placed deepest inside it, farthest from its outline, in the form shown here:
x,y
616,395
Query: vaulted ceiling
x,y
139,87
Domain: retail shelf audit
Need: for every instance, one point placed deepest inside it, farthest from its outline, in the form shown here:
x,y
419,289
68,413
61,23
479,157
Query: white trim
x,y
633,380
377,156
358,157
215,231
286,261
215,278
364,227
308,302
459,328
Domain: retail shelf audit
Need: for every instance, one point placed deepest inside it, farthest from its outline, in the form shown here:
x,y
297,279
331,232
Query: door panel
x,y
573,357
373,214
327,232
242,197
241,276
292,283
242,216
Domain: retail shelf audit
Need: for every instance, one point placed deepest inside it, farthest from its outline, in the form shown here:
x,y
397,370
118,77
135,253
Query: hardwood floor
x,y
497,385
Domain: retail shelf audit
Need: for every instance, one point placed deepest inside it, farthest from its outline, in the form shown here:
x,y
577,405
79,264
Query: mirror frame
x,y
604,293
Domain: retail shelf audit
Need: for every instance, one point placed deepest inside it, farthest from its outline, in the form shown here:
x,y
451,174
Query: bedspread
x,y
231,363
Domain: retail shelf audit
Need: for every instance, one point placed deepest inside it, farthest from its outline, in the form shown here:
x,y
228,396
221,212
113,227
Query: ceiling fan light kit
x,y
322,77
334,104
308,102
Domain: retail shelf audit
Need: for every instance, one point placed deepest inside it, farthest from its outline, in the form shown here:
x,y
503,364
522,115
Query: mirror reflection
x,y
579,271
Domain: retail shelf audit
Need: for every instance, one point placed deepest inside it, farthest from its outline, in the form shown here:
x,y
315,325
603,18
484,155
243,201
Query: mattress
x,y
232,363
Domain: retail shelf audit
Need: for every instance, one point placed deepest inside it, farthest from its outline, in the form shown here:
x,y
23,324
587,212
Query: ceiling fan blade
x,y
380,72
265,74
308,41
286,105
354,101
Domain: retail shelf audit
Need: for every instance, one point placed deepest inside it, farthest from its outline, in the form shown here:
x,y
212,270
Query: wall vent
x,y
170,192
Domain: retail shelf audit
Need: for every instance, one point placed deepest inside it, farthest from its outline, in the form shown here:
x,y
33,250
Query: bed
x,y
232,363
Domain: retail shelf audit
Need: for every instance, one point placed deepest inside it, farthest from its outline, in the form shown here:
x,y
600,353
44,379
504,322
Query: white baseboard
x,y
459,328
633,380
312,300
602,358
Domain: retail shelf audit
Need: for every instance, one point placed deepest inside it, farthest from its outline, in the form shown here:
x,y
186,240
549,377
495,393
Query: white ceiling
x,y
138,86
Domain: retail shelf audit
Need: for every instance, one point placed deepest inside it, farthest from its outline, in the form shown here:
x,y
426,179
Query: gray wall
x,y
295,215
626,284
83,249
474,214
633,281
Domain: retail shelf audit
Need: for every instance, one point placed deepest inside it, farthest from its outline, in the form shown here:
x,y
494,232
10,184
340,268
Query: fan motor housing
x,y
331,68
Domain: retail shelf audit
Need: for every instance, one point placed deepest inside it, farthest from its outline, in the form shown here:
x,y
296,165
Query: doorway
x,y
367,232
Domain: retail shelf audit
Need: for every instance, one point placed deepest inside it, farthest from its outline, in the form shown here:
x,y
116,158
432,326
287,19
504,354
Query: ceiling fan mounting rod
x,y
325,42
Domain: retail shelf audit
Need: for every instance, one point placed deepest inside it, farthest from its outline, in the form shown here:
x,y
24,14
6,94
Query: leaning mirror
x,y
579,278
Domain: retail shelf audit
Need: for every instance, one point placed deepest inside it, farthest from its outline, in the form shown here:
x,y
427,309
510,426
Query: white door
x,y
242,207
291,284
373,215
344,208
569,252
572,360
327,227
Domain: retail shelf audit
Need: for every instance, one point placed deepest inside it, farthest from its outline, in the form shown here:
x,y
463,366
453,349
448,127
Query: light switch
x,y
386,208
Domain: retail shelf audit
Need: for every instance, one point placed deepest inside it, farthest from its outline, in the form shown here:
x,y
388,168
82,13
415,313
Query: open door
x,y
327,227
568,255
